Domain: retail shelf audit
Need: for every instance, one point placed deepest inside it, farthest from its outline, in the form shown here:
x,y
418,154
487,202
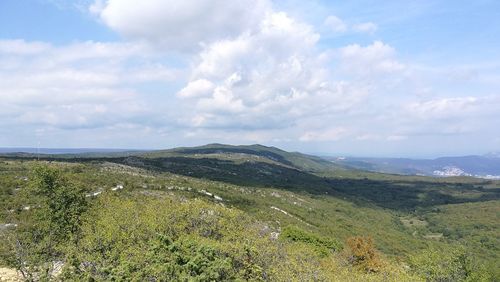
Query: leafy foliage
x,y
50,218
448,265
363,254
60,203
323,245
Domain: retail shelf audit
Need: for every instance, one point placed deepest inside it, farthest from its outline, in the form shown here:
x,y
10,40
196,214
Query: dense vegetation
x,y
216,214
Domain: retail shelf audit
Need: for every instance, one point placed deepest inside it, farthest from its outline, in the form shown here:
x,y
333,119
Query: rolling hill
x,y
404,215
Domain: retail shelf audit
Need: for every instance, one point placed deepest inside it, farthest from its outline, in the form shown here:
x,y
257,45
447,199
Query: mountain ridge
x,y
485,166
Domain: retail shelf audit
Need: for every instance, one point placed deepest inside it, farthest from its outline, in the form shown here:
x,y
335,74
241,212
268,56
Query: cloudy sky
x,y
417,78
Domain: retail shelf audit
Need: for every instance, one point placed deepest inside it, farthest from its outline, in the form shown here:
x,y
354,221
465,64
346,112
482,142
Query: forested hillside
x,y
253,213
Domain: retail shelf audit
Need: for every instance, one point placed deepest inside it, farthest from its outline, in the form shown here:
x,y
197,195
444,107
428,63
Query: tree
x,y
48,223
61,203
363,254
448,265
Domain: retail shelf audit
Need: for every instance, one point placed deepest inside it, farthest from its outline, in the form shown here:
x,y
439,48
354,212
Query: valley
x,y
405,215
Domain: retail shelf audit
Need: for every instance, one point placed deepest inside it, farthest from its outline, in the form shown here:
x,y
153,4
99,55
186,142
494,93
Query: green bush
x,y
49,222
448,265
324,245
156,240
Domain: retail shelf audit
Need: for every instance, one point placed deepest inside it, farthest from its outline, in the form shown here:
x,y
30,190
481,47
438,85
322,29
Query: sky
x,y
415,78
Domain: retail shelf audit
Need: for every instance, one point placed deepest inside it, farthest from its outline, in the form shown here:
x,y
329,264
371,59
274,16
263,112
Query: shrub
x,y
323,245
362,254
49,222
448,265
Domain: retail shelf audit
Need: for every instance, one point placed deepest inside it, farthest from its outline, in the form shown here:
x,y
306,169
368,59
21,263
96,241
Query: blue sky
x,y
364,78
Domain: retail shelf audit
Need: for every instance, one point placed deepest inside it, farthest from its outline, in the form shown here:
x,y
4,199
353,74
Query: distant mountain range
x,y
486,166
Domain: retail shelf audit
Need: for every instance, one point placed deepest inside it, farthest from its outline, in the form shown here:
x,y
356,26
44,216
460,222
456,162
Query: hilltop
x,y
297,198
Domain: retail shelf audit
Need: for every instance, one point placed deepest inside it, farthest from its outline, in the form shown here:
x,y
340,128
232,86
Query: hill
x,y
249,153
487,166
303,199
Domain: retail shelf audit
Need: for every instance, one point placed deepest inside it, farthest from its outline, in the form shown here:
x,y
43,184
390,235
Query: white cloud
x,y
21,47
276,79
444,107
367,27
81,85
446,116
249,74
90,50
181,25
332,134
197,88
261,78
151,72
377,58
336,24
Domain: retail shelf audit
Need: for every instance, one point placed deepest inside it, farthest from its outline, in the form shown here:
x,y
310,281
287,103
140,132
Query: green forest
x,y
233,213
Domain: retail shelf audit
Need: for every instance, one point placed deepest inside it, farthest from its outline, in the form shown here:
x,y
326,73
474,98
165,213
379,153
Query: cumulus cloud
x,y
265,72
338,25
197,88
181,25
367,27
376,58
277,79
335,23
80,85
258,77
